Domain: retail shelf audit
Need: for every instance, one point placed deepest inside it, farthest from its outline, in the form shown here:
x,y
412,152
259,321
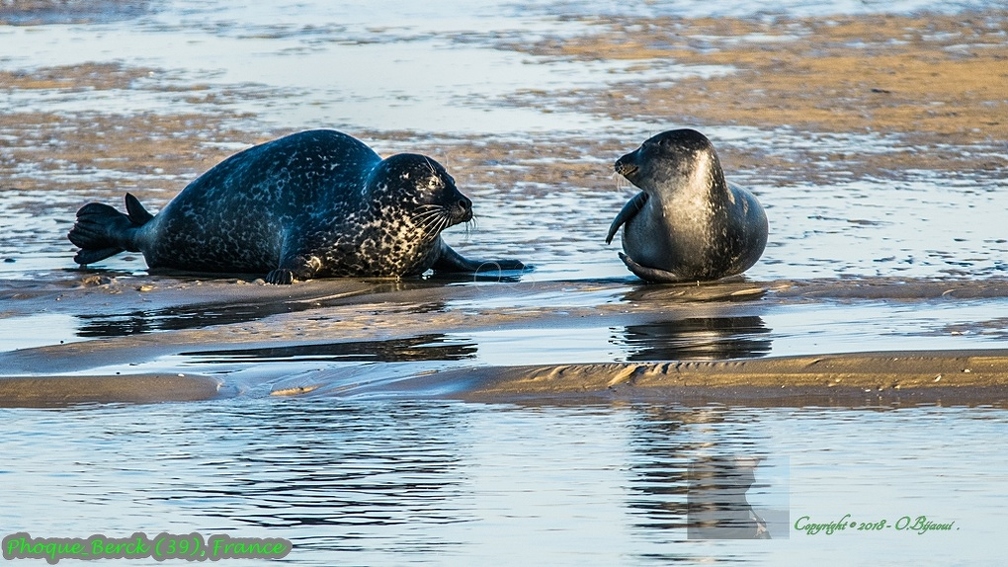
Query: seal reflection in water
x,y
310,205
687,224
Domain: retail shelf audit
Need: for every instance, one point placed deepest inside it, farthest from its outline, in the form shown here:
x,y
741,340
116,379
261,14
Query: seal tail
x,y
101,231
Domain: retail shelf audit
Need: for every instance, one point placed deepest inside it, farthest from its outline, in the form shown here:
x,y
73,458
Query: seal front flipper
x,y
628,212
654,275
450,261
280,277
292,269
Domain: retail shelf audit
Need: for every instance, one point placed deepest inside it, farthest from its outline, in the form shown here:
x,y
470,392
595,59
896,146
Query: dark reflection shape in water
x,y
199,316
689,482
717,507
432,347
175,319
707,338
660,482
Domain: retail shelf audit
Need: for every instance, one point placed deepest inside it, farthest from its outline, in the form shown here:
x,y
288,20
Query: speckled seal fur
x,y
314,204
687,224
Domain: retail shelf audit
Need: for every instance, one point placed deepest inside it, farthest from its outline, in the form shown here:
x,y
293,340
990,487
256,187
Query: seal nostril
x,y
625,169
465,204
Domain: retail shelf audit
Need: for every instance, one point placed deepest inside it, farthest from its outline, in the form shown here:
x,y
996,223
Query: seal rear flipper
x,y
100,232
450,261
628,212
655,275
138,215
85,257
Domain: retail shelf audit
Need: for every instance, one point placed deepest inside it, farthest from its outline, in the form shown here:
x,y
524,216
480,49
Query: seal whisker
x,y
428,221
428,215
446,221
621,182
428,225
428,206
435,224
430,165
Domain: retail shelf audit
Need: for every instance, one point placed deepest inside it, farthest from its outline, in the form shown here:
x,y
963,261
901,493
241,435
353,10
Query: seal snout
x,y
462,209
625,167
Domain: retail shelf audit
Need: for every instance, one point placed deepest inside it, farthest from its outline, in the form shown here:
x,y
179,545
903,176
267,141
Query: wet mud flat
x,y
160,337
868,138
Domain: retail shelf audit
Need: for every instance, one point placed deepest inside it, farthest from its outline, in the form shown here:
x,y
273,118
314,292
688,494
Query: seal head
x,y
687,223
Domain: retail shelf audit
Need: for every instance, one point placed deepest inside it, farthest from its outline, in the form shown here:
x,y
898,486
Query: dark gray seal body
x,y
687,223
314,204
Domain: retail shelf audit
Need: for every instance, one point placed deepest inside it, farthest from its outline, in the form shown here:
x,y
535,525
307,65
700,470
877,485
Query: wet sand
x,y
59,391
935,82
168,317
885,378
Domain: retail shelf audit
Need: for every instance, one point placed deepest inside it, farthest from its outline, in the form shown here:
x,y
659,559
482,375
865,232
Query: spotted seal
x,y
314,204
687,223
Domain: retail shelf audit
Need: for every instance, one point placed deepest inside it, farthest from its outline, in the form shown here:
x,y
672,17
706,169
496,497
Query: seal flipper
x,y
654,275
138,215
450,261
85,257
280,276
628,212
297,263
101,231
296,268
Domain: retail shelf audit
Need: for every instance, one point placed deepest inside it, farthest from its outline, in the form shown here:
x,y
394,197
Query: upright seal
x,y
314,204
687,224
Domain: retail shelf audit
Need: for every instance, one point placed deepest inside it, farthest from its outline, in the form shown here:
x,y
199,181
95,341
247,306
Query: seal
x,y
314,204
687,224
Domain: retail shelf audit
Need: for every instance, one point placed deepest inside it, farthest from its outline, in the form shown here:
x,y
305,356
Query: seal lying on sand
x,y
310,205
687,223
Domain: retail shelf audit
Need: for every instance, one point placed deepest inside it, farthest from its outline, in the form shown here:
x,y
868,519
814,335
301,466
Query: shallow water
x,y
395,475
396,482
